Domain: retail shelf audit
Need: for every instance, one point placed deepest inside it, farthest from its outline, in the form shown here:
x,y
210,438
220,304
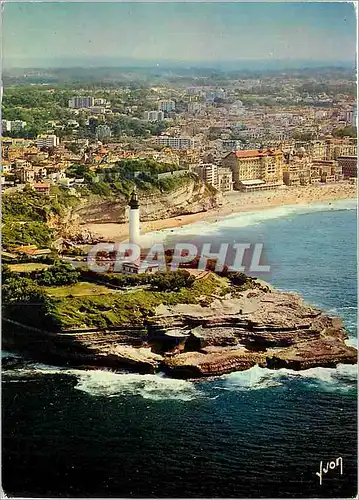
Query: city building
x,y
42,187
12,125
97,110
175,142
166,105
253,165
208,173
348,166
153,116
47,141
5,126
78,102
231,145
340,147
100,102
225,179
30,174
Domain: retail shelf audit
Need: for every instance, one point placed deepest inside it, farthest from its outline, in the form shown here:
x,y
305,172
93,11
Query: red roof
x,y
252,153
42,185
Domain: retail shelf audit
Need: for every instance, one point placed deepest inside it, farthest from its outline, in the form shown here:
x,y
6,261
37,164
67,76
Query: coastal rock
x,y
260,326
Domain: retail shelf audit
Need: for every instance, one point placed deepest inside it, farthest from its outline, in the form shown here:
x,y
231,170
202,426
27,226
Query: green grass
x,y
80,289
27,267
97,306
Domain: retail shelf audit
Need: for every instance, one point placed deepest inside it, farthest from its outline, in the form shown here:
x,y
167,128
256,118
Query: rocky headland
x,y
233,332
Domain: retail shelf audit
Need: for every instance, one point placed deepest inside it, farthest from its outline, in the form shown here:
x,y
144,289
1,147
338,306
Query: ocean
x,y
253,434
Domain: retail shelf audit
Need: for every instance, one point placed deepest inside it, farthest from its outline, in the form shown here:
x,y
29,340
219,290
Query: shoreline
x,y
235,203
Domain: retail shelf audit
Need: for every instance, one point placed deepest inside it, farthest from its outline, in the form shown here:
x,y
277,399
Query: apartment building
x,y
348,166
166,105
153,116
78,102
100,101
326,170
175,142
12,125
27,173
256,164
208,172
47,141
340,147
225,179
231,145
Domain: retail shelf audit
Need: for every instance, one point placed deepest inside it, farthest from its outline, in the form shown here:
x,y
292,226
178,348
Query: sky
x,y
97,33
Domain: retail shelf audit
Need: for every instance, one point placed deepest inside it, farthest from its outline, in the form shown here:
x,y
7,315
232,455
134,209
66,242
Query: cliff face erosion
x,y
193,197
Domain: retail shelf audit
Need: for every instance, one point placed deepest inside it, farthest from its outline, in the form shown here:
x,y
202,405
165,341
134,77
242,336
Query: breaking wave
x,y
102,383
154,387
342,379
111,384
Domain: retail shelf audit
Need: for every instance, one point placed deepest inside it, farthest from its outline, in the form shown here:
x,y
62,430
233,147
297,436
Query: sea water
x,y
258,433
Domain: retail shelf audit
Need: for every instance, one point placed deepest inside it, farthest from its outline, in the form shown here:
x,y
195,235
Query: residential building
x,y
12,125
208,172
30,174
42,187
78,102
166,105
354,117
340,147
225,179
153,116
47,141
349,166
175,142
231,145
256,164
5,126
99,101
291,176
97,110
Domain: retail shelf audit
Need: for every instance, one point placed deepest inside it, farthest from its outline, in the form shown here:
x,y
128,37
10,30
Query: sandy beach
x,y
237,202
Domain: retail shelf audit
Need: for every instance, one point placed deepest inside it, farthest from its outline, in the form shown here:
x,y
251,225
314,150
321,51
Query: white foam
x,y
253,379
154,387
340,379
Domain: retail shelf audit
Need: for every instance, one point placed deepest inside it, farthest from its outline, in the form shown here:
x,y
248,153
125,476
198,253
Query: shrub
x,y
56,275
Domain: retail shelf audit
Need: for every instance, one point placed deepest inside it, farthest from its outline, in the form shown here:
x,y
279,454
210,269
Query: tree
x,y
171,281
56,275
24,301
348,131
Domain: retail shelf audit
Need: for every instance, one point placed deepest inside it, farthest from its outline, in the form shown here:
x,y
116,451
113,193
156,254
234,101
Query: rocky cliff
x,y
258,326
192,197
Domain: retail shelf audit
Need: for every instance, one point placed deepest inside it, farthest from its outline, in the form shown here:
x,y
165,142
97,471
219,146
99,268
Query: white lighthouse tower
x,y
134,219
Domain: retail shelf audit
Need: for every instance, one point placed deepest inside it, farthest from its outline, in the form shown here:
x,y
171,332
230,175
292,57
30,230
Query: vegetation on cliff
x,y
100,308
25,216
121,178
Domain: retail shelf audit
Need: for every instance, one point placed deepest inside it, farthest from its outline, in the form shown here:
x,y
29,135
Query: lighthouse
x,y
134,219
